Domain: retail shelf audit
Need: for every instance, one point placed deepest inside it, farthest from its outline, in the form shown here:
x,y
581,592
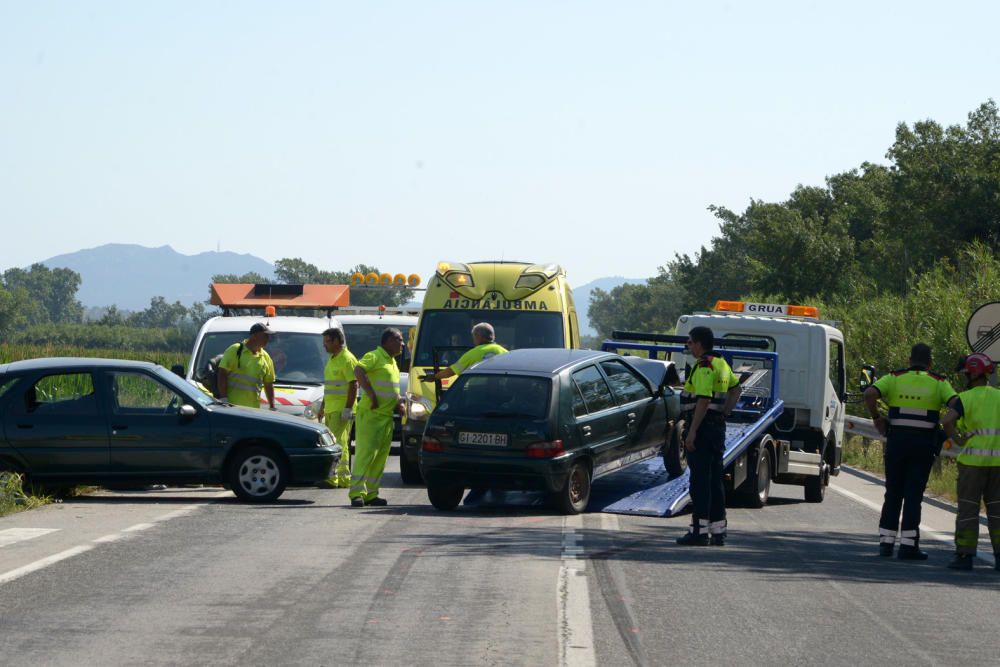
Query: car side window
x,y
624,383
62,394
579,407
137,393
596,394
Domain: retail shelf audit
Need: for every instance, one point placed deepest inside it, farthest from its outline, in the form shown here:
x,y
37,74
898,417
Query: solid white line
x,y
137,527
7,577
106,539
924,530
14,535
575,630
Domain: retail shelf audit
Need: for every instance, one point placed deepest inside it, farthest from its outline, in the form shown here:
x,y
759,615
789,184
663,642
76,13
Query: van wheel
x,y
257,475
445,497
409,470
757,488
673,453
575,494
816,486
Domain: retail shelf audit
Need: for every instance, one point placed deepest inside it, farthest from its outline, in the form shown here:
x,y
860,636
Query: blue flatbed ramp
x,y
644,488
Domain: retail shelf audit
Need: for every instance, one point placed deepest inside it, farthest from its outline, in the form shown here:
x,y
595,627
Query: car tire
x,y
445,497
257,474
816,486
673,453
757,488
575,494
409,470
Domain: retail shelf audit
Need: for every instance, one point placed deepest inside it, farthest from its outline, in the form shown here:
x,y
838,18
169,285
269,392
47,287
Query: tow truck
x,y
788,426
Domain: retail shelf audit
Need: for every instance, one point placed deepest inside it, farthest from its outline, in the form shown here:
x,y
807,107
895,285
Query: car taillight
x,y
432,445
546,450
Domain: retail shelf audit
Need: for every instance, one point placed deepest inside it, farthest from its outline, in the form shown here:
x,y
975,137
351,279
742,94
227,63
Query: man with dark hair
x,y
340,391
710,392
915,397
378,377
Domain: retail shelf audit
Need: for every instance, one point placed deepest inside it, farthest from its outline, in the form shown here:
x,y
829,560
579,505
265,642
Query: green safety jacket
x,y
477,354
711,378
915,397
337,378
383,374
980,410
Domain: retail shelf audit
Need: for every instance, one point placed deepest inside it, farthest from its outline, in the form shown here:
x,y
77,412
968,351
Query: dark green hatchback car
x,y
546,420
72,421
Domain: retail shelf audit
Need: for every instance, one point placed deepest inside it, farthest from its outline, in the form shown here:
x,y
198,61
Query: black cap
x,y
259,327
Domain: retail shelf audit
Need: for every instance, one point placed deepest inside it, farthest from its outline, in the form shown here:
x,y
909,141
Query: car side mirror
x,y
868,376
187,411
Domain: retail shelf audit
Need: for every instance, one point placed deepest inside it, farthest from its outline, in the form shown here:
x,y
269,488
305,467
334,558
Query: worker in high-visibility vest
x,y
378,377
245,368
915,397
978,407
711,390
484,338
340,392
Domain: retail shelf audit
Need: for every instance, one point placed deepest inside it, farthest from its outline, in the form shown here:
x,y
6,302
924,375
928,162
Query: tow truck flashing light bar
x,y
750,308
736,343
373,279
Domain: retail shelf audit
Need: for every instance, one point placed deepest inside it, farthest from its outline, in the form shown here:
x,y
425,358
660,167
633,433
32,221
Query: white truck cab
x,y
812,381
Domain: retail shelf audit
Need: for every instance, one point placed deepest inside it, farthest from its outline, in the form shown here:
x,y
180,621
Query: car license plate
x,y
495,439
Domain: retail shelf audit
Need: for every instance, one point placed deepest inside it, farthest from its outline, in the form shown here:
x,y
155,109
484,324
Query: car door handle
x,y
586,430
631,416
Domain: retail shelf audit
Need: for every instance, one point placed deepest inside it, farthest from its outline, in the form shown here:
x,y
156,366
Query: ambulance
x,y
529,305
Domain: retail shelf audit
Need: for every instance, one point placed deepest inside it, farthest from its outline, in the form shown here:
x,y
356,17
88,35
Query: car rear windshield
x,y
500,396
450,332
299,358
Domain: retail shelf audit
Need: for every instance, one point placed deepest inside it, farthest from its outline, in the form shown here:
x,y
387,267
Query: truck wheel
x,y
575,494
758,485
257,475
674,454
816,486
445,497
409,470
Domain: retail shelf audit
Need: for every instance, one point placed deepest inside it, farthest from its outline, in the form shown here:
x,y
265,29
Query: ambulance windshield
x,y
450,332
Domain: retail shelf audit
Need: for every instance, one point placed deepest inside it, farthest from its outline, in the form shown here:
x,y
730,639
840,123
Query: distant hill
x,y
581,297
128,276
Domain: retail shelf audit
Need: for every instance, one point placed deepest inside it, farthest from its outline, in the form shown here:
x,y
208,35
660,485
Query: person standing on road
x,y
484,338
915,397
378,377
711,390
340,392
245,368
978,461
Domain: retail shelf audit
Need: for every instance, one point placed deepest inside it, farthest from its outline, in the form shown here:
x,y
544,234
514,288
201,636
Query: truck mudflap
x,y
644,488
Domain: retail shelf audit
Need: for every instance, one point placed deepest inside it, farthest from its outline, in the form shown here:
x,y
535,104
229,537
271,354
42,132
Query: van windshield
x,y
450,331
363,338
298,358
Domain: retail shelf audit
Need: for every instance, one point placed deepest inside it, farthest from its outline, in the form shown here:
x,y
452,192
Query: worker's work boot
x,y
911,552
885,549
961,562
693,540
357,502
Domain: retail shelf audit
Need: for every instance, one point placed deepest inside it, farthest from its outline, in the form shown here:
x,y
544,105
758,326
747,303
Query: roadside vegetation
x,y
13,497
867,455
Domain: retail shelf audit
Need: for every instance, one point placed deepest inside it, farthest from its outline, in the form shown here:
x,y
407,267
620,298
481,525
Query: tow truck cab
x,y
812,381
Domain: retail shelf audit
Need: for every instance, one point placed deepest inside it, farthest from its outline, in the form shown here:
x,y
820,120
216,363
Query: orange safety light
x,y
357,278
399,280
729,306
385,279
270,311
413,280
803,311
372,279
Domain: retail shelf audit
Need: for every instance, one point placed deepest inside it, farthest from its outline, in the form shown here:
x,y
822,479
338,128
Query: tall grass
x,y
12,495
17,352
867,455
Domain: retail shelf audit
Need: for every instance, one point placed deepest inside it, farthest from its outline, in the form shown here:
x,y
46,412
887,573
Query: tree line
x,y
39,306
897,252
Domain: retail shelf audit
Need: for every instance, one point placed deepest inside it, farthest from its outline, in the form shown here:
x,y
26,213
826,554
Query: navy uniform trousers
x,y
909,456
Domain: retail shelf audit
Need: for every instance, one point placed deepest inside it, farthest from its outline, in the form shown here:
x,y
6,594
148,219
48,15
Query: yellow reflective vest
x,y
248,373
710,378
980,410
383,375
337,377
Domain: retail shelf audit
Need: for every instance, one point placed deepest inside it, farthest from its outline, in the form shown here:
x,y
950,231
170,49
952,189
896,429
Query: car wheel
x,y
445,497
674,454
758,486
409,470
575,494
257,475
816,486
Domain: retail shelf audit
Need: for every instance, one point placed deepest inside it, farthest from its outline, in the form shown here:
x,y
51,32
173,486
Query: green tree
x,y
53,289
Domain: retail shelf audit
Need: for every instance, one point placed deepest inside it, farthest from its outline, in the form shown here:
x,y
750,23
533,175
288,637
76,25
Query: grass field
x,y
867,455
10,353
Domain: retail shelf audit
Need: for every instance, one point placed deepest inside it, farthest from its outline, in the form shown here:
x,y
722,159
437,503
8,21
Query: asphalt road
x,y
190,576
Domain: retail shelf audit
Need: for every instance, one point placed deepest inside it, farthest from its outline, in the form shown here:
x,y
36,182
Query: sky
x,y
398,134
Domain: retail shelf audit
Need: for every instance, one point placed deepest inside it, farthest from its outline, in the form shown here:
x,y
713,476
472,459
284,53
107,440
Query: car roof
x,y
540,360
280,323
60,363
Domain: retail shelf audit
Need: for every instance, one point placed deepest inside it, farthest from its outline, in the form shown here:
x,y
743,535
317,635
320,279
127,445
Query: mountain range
x,y
129,276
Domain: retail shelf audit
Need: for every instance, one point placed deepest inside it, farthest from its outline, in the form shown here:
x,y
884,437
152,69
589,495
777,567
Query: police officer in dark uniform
x,y
710,392
915,397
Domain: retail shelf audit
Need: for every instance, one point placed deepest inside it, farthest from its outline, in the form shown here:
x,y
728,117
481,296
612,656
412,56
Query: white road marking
x,y
137,527
575,631
17,573
14,535
924,530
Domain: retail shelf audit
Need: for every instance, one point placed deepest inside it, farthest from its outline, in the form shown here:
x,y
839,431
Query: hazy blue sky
x,y
593,134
